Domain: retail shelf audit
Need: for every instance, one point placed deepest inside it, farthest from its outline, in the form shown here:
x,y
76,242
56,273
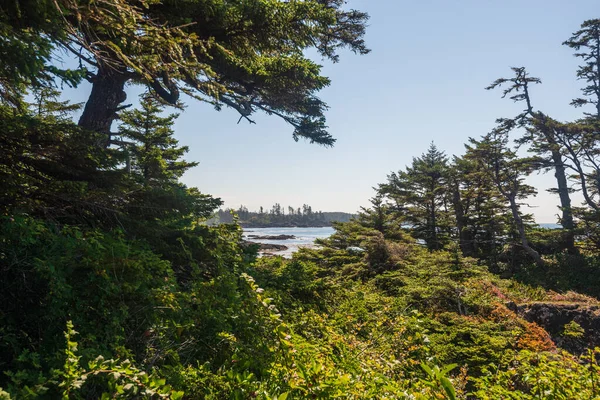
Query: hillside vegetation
x,y
113,285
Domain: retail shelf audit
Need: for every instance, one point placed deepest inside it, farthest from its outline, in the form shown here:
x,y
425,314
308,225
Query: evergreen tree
x,y
154,163
421,191
30,32
479,209
247,55
586,42
508,172
543,134
581,139
47,105
153,152
375,216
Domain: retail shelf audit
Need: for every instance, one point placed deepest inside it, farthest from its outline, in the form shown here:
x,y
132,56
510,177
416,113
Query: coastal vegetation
x,y
114,286
277,216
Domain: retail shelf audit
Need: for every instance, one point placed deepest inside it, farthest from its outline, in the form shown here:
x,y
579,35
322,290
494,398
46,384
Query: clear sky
x,y
423,81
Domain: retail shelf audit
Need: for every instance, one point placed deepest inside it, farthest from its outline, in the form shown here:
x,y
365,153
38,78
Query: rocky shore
x,y
272,237
265,246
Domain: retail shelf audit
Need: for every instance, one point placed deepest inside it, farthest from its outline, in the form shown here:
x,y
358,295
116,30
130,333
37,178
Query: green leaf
x,y
448,368
448,388
177,395
427,369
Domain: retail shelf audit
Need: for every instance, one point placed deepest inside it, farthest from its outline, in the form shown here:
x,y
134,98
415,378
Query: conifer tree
x,y
586,42
154,163
148,139
580,139
246,55
421,192
507,171
479,209
376,216
543,135
47,104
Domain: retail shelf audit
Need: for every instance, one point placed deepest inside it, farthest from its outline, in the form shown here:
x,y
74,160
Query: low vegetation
x,y
115,286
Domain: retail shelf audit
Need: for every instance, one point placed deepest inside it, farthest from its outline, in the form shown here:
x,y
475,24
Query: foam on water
x,y
304,237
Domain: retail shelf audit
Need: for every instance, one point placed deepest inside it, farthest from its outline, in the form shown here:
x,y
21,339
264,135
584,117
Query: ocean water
x,y
304,237
549,225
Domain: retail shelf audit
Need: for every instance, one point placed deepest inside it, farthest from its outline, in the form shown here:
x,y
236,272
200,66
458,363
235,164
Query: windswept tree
x,y
586,43
479,208
571,149
247,55
542,134
507,172
581,144
581,138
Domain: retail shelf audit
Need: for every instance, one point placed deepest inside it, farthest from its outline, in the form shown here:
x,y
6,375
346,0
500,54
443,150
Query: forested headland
x,y
114,286
277,216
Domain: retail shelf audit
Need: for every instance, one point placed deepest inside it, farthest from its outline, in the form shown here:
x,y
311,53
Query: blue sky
x,y
423,81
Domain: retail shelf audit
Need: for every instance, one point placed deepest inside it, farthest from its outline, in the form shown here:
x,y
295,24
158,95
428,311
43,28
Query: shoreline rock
x,y
554,317
265,246
272,237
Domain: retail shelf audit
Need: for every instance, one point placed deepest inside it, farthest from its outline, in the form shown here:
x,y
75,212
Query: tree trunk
x,y
565,202
464,238
521,228
101,108
434,236
566,220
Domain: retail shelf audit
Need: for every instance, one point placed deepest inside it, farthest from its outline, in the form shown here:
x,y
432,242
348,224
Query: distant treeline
x,y
279,216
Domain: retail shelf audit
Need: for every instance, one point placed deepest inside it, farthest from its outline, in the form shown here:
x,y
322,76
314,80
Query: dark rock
x,y
265,246
554,316
270,246
512,306
272,237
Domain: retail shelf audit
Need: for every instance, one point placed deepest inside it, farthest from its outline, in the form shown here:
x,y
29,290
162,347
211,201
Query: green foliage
x,y
51,275
153,156
419,195
586,42
248,55
277,217
566,273
27,54
528,375
574,330
97,232
103,379
437,377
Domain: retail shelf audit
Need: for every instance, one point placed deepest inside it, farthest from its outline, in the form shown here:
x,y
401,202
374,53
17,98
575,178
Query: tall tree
x,y
154,161
586,43
247,55
153,152
581,139
507,172
479,209
543,139
421,192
